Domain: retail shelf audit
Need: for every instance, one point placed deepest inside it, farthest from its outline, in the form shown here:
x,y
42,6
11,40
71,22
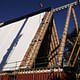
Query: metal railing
x,y
16,65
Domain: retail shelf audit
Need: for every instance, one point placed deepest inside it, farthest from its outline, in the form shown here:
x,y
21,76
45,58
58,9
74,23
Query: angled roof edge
x,y
25,16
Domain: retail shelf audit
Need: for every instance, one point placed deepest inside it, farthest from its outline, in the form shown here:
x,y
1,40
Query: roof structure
x,y
26,39
32,36
15,40
32,41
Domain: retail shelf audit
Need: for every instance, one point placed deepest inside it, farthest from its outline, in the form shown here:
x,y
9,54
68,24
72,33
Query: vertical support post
x,y
53,44
63,40
56,40
75,20
55,30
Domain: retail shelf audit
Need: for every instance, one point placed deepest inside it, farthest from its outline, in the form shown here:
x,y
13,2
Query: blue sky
x,y
10,9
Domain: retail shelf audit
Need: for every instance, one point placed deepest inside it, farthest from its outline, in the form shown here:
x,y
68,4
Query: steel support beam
x,y
54,42
75,20
33,51
73,50
76,57
63,40
65,6
70,41
56,34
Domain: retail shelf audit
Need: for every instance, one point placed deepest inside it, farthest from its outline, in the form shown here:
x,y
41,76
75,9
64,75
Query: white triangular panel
x,y
15,39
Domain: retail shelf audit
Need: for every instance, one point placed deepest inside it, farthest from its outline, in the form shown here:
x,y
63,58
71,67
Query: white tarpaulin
x,y
15,39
